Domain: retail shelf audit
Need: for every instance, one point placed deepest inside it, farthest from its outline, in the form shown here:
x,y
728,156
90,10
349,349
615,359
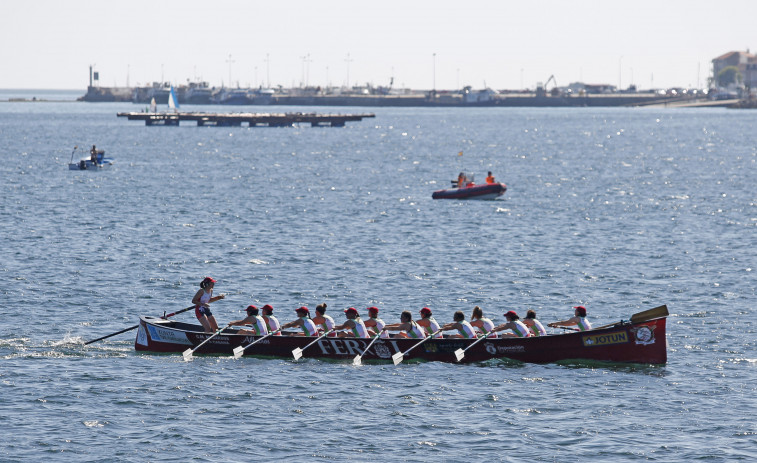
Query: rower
x,y
463,327
578,320
354,324
271,323
537,329
428,323
407,327
304,321
322,321
484,325
375,324
253,318
513,322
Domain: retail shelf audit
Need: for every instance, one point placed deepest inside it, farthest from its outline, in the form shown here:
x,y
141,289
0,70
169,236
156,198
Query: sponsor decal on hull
x,y
142,336
644,334
167,336
619,337
354,346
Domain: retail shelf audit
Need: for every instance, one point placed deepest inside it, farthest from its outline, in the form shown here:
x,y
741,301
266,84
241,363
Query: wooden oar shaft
x,y
135,326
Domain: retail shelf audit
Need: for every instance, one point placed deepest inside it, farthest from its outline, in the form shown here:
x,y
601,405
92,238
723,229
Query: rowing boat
x,y
639,340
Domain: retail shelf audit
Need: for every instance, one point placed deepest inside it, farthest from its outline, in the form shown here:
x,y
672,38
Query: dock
x,y
250,119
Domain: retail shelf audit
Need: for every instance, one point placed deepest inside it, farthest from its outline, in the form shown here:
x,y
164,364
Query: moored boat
x,y
88,164
483,191
640,340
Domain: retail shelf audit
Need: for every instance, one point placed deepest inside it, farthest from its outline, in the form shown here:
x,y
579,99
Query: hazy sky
x,y
421,43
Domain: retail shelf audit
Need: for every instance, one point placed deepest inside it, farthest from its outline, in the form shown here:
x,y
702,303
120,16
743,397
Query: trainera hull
x,y
643,342
485,191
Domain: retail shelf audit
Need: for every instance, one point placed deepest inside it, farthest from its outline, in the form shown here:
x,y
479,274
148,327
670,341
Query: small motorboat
x,y
472,191
99,161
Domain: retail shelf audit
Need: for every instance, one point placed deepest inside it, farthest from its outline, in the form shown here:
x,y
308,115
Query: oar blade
x,y
238,352
398,357
357,361
187,355
657,312
459,354
297,353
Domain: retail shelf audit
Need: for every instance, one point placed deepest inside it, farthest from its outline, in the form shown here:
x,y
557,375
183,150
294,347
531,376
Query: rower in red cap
x,y
578,320
202,298
428,323
304,321
354,324
513,322
271,322
375,324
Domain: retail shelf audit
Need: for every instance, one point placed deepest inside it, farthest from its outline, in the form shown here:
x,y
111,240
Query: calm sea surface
x,y
620,210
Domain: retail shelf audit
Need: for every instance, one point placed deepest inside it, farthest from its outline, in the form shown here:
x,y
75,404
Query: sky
x,y
419,44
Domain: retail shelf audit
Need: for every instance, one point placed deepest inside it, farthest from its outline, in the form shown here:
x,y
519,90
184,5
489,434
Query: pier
x,y
251,119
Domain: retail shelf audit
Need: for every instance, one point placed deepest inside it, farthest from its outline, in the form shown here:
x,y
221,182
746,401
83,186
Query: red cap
x,y
372,309
511,314
581,310
209,279
303,309
268,307
250,307
579,307
425,311
351,309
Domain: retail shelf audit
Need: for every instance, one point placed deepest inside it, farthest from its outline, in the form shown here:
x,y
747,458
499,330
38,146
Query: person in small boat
x,y
578,320
463,327
537,329
490,178
407,327
202,298
322,321
513,322
462,180
374,324
354,324
483,324
93,154
304,321
254,319
271,323
428,323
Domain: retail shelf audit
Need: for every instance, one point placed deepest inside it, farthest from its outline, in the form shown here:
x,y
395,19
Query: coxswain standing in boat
x,y
490,178
578,320
254,319
93,155
354,324
463,327
537,329
375,324
304,321
271,322
201,300
322,321
407,327
484,325
428,323
513,322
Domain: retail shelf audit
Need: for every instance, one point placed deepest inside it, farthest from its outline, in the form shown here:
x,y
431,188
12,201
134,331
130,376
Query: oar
x,y
651,314
188,353
297,352
357,359
460,353
137,326
566,328
239,351
400,356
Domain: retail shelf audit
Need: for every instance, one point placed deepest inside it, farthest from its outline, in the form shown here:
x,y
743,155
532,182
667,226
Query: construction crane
x,y
541,90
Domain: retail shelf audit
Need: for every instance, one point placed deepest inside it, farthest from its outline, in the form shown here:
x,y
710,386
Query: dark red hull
x,y
643,342
484,191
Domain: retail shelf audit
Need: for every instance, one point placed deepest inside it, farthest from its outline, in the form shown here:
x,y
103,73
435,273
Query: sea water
x,y
619,210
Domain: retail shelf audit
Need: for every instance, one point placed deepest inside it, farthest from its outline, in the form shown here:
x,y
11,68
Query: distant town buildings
x,y
744,61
